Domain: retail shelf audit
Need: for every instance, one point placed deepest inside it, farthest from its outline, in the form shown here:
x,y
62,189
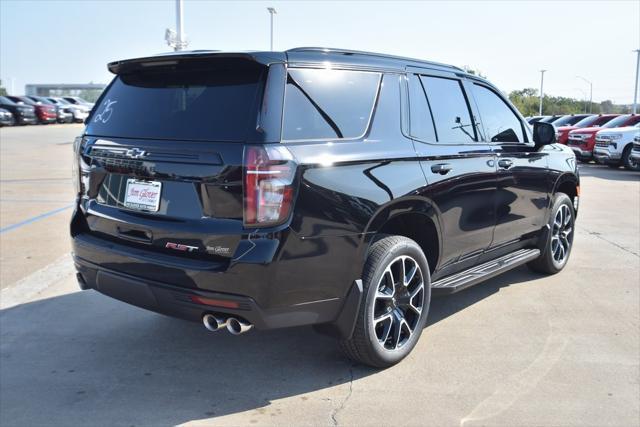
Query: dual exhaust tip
x,y
234,325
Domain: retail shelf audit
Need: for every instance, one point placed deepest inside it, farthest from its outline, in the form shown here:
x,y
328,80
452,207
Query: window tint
x,y
569,120
324,104
500,122
616,122
195,100
450,110
419,112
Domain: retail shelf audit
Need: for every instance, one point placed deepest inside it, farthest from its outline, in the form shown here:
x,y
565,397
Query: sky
x,y
47,41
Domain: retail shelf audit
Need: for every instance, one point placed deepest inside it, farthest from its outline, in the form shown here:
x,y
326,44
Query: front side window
x,y
500,122
450,110
328,104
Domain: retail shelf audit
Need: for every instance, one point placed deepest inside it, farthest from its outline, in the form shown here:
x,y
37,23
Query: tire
x,y
401,308
559,240
627,162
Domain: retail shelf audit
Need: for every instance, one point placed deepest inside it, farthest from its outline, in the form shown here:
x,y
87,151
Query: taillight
x,y
269,173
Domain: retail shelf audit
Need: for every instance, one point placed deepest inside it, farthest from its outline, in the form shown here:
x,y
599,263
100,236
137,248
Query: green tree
x,y
3,91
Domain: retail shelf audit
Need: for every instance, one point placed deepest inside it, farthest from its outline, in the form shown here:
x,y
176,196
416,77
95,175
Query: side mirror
x,y
544,134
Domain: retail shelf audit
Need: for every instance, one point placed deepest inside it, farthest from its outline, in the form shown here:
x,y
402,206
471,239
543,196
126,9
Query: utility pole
x,y
590,92
635,91
272,11
541,90
177,39
179,27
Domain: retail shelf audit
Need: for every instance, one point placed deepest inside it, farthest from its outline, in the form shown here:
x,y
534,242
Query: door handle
x,y
441,168
505,163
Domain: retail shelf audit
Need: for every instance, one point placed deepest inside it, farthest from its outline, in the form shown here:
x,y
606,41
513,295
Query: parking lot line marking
x,y
34,219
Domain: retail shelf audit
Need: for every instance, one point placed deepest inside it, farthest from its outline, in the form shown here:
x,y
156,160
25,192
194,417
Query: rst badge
x,y
181,247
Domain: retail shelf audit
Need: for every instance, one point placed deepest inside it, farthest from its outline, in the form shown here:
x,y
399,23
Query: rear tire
x,y
559,239
627,162
396,297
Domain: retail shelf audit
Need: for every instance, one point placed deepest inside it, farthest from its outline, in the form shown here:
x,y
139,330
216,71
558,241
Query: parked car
x,y
551,119
64,115
570,119
46,114
296,188
613,146
562,132
635,151
76,100
532,120
79,112
582,141
22,114
6,118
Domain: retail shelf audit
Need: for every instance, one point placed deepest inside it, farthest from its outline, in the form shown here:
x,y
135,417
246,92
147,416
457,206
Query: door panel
x,y
522,193
522,197
464,196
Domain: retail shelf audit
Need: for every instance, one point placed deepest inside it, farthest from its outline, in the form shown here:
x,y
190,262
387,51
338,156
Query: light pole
x,y
541,90
590,92
176,39
635,91
272,11
179,25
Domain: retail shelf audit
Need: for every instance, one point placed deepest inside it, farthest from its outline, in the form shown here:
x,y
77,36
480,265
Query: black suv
x,y
321,187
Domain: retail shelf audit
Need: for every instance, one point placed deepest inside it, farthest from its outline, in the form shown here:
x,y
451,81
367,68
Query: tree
x,y
3,91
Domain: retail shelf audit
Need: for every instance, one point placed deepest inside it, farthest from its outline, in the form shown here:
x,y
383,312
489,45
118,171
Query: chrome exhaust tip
x,y
213,323
237,326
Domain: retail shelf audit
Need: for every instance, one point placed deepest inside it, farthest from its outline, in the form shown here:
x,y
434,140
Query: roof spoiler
x,y
265,58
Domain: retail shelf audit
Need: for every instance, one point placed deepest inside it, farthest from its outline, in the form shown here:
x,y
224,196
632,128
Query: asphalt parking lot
x,y
521,349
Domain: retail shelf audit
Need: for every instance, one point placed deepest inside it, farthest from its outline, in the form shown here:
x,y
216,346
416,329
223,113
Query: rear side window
x,y
328,104
420,117
450,110
500,122
208,100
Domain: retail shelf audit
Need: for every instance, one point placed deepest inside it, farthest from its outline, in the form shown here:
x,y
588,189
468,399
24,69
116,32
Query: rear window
x,y
328,104
204,100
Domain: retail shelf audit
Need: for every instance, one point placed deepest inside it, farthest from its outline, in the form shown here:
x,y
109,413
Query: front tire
x,y
627,161
559,239
396,298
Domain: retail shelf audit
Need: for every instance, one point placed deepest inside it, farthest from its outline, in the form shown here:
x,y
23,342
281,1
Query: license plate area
x,y
143,195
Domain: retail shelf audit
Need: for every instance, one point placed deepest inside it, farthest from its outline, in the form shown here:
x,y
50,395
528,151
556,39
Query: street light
x,y
272,11
590,92
541,90
635,91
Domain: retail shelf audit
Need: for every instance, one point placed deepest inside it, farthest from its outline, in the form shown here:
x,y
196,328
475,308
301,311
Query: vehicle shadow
x,y
605,172
83,358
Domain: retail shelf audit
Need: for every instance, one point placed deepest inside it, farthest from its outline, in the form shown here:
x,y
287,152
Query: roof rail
x,y
364,53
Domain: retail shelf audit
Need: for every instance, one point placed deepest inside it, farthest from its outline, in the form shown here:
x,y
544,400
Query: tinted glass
x,y
420,116
569,120
450,110
6,101
500,122
616,122
328,104
203,100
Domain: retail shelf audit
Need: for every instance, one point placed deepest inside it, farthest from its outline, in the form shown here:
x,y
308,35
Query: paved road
x,y
521,349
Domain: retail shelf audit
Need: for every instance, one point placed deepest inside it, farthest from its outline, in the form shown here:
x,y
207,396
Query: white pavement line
x,y
30,287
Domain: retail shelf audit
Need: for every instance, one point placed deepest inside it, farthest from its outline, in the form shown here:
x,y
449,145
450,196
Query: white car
x,y
635,151
613,147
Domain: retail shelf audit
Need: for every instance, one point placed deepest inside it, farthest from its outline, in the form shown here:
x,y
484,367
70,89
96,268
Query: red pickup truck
x,y
582,141
595,120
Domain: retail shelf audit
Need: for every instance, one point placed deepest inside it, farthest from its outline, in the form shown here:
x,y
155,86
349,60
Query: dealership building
x,y
64,89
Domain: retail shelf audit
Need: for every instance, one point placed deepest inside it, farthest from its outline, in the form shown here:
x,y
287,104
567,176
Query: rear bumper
x,y
101,265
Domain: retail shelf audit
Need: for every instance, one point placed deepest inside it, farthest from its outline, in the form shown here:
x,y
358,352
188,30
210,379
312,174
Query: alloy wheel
x,y
561,235
398,303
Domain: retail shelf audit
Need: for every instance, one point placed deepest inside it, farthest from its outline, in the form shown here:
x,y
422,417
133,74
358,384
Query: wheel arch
x,y
414,218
